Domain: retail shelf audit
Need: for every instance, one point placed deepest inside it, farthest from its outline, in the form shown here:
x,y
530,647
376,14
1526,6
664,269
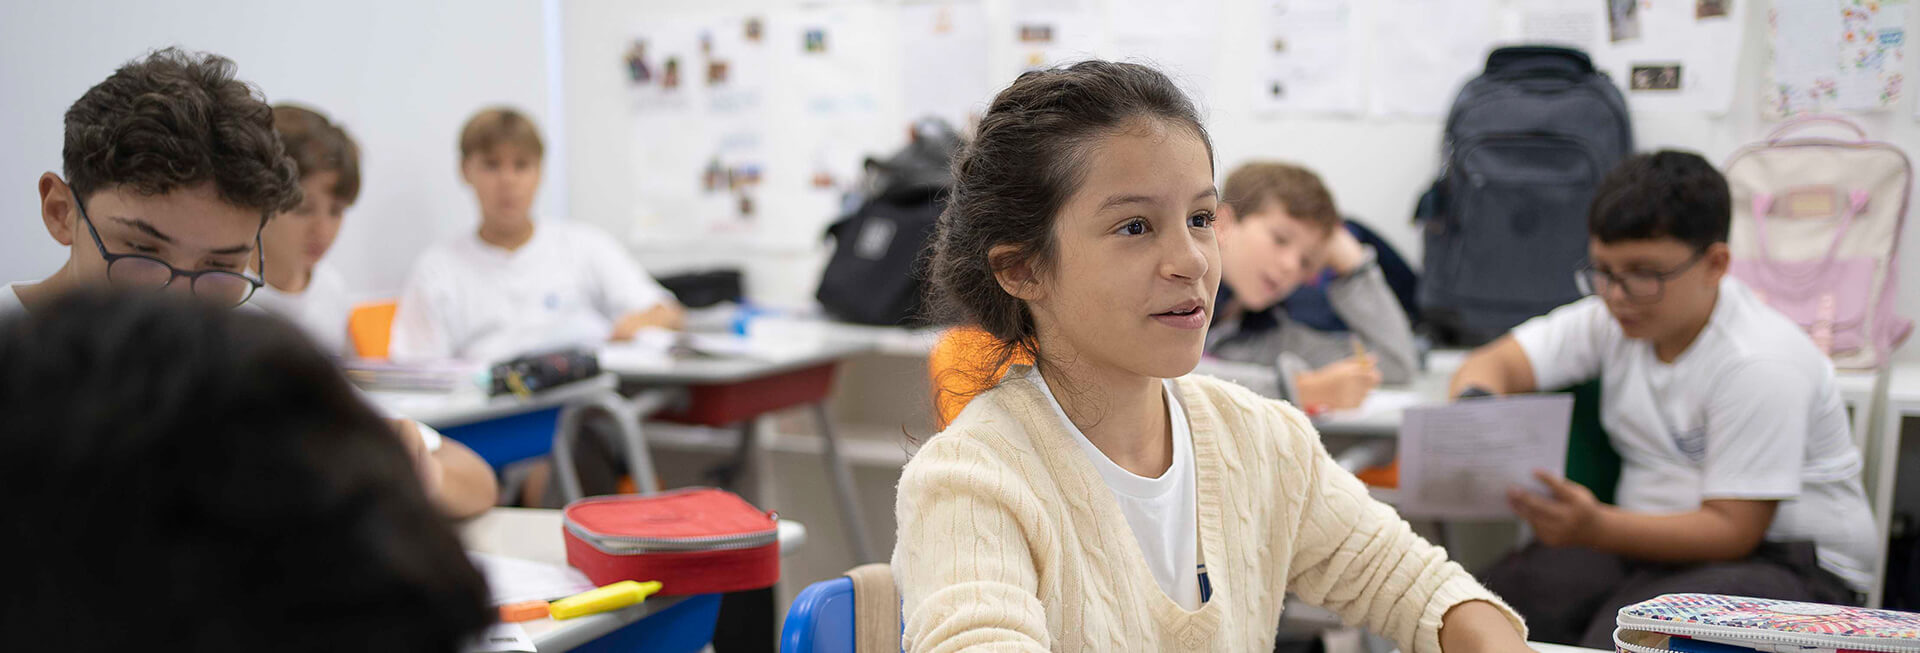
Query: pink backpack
x,y
1816,233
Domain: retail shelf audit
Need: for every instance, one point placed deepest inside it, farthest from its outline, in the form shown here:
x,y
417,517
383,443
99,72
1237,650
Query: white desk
x,y
1557,648
533,534
668,380
450,409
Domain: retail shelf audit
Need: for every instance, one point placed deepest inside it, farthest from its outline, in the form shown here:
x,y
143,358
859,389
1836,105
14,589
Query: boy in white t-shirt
x,y
514,286
1739,475
300,286
172,171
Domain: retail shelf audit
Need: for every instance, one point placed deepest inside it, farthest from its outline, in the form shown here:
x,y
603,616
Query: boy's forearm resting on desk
x,y
665,315
467,486
1478,626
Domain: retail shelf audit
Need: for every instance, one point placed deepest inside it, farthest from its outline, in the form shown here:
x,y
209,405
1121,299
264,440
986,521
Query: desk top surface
x,y
448,409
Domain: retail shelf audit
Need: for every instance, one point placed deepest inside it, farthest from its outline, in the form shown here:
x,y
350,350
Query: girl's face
x,y
1130,286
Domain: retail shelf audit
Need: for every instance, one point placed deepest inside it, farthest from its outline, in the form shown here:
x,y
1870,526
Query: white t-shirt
x,y
1749,411
473,301
1161,512
321,310
10,298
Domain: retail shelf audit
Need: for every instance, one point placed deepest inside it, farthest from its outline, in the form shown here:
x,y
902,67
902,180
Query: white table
x,y
449,409
442,410
534,534
1558,648
667,381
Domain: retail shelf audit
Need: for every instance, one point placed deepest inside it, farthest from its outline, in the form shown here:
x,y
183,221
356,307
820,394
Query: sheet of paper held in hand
x,y
1458,460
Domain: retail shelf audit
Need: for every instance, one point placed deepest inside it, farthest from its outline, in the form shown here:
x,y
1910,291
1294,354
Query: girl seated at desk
x,y
1104,499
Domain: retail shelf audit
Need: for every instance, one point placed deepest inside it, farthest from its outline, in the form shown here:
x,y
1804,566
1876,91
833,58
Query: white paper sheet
x,y
1457,461
1835,54
944,51
512,580
1423,51
1309,58
1178,38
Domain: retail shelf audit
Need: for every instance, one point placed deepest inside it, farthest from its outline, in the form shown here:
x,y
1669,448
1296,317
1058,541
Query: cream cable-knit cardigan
x,y
1009,538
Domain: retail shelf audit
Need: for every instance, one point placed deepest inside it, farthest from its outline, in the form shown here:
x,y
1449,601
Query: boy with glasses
x,y
172,168
1738,476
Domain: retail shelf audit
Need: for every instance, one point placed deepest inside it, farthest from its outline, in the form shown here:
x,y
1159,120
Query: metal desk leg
x,y
626,417
563,438
842,477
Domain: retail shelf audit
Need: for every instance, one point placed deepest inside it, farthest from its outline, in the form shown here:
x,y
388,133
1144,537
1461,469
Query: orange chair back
x,y
370,327
957,369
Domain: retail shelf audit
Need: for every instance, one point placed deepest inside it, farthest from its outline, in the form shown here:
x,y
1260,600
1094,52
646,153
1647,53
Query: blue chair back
x,y
820,619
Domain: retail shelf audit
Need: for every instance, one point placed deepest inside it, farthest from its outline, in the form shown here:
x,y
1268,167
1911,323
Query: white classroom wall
x,y
400,76
1376,167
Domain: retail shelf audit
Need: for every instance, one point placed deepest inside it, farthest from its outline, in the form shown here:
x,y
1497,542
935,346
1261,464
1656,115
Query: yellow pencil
x,y
1359,350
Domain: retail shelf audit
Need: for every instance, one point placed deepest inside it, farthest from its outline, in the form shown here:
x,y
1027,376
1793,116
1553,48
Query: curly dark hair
x,y
216,469
318,145
1018,172
1665,194
176,119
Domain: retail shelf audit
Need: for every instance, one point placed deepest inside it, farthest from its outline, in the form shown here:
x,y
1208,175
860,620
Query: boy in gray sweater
x,y
1279,228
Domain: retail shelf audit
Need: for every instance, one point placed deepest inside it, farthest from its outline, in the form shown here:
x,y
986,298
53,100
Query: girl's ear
x,y
1014,272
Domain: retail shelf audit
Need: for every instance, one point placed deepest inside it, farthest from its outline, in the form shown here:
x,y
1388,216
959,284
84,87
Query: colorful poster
x,y
699,88
1835,54
1052,32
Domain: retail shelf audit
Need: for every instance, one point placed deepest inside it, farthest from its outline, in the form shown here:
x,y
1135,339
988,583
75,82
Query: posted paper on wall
x,y
1309,58
1836,54
1457,461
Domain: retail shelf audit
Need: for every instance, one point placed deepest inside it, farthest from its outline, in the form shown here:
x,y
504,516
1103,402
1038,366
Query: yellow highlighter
x,y
611,597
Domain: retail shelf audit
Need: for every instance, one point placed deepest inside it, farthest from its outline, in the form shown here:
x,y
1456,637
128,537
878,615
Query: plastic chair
x,y
824,617
820,619
370,328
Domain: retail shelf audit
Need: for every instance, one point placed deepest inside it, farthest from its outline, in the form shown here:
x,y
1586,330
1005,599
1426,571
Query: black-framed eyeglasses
x,y
138,271
1639,287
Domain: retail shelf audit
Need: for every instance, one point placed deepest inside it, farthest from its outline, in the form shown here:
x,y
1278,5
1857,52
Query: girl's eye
x,y
1201,220
141,248
1134,227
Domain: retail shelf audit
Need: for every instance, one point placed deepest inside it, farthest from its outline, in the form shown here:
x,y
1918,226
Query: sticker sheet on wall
x,y
699,91
1309,58
1836,54
1665,55
1052,32
832,116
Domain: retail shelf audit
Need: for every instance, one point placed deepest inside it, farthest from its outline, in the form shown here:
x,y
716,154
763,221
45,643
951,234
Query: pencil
x,y
1359,350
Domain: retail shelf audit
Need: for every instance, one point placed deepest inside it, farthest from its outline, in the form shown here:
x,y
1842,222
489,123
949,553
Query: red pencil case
x,y
694,541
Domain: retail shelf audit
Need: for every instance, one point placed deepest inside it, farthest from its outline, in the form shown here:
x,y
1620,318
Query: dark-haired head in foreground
x,y
186,477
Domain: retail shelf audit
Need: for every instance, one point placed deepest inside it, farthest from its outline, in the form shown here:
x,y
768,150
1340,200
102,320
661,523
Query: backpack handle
x,y
1539,60
1763,204
1797,124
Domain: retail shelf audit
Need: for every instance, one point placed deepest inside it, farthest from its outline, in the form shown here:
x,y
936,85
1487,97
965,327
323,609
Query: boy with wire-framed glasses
x,y
1738,474
171,170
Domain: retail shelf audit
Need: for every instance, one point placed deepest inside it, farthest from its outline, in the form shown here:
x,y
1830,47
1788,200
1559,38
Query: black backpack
x,y
874,275
1505,225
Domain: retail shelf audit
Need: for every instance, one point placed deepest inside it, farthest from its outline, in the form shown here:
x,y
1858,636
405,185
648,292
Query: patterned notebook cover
x,y
1714,610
